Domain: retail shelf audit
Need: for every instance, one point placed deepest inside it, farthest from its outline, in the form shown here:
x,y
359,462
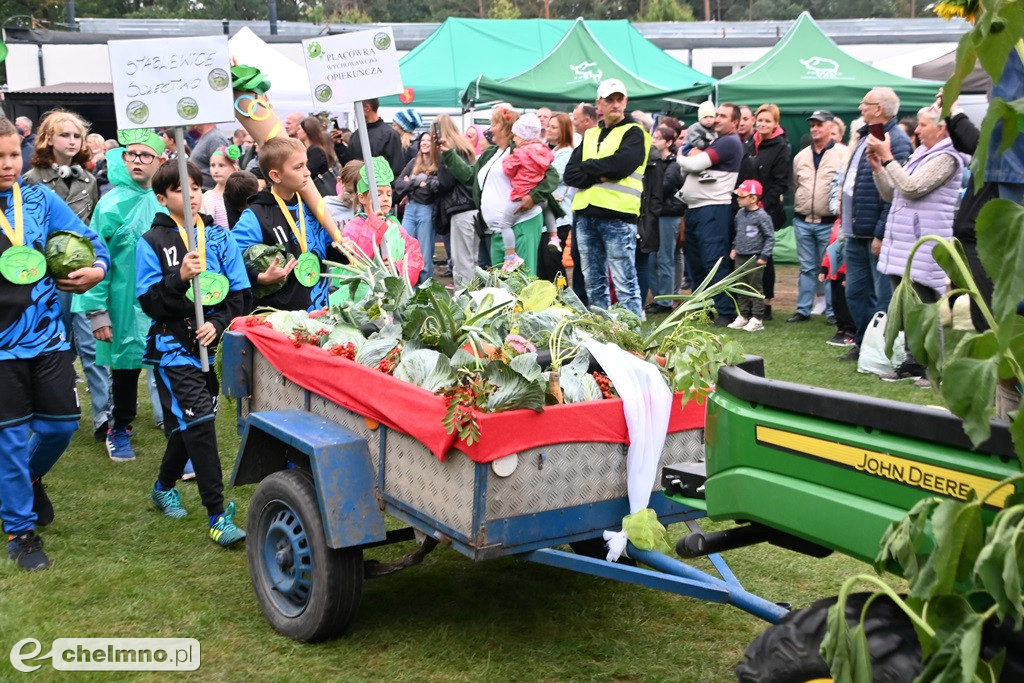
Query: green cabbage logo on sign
x,y
382,41
323,92
219,79
137,111
314,50
188,108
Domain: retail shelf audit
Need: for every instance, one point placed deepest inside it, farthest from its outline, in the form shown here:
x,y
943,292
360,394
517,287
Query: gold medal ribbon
x,y
200,238
298,231
16,234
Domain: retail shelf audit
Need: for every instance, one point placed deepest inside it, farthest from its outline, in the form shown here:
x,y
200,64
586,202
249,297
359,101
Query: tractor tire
x,y
308,591
788,651
1001,636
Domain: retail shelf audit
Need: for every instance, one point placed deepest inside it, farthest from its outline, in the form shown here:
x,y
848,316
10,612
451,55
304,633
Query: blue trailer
x,y
327,477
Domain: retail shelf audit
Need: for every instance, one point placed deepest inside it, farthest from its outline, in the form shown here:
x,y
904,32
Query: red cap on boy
x,y
750,186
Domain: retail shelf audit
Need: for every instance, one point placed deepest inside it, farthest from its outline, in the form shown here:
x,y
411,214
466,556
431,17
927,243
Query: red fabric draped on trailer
x,y
418,412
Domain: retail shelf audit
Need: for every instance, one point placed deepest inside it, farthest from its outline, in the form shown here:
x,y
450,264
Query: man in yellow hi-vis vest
x,y
608,168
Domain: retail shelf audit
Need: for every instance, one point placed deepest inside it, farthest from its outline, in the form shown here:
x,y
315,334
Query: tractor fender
x,y
338,459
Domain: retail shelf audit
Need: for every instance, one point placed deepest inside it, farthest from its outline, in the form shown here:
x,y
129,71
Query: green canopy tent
x,y
569,74
439,68
806,71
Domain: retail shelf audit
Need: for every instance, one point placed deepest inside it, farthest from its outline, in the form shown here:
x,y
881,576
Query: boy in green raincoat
x,y
118,323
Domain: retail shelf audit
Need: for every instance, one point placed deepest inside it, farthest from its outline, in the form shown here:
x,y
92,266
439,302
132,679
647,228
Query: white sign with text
x,y
352,67
160,83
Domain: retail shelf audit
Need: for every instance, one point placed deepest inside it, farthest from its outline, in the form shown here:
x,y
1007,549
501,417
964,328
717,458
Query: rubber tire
x,y
337,574
787,652
1001,636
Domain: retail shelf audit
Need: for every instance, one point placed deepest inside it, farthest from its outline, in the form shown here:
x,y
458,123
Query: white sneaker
x,y
738,323
753,325
819,306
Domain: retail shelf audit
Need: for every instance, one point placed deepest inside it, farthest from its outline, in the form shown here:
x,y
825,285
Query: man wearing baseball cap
x,y
608,170
814,167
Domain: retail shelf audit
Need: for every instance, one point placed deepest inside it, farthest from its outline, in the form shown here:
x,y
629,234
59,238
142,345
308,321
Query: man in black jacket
x,y
384,141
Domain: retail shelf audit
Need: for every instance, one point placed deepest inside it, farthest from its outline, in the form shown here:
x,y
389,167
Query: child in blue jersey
x,y
39,408
165,270
277,215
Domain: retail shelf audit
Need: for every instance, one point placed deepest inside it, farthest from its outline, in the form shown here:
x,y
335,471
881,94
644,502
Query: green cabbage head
x,y
66,252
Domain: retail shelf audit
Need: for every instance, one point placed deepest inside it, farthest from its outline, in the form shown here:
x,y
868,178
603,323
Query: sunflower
x,y
965,9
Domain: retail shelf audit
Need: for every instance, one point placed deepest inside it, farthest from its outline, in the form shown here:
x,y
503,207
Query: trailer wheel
x,y
308,591
788,651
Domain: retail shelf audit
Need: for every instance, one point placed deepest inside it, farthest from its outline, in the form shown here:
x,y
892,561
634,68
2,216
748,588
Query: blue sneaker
x,y
119,445
169,503
223,531
190,473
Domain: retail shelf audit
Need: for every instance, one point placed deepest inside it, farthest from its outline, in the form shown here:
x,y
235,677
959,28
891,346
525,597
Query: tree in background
x,y
666,10
503,9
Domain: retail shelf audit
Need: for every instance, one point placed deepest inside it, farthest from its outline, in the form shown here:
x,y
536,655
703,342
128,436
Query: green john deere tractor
x,y
817,471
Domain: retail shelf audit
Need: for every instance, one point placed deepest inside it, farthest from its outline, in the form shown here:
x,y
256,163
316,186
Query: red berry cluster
x,y
346,350
388,363
605,384
255,321
463,400
304,336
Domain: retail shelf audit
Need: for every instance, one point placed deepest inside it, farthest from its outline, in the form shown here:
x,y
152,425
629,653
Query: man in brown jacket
x,y
813,169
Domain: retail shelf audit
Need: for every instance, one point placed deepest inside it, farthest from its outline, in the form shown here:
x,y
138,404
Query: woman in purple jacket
x,y
924,196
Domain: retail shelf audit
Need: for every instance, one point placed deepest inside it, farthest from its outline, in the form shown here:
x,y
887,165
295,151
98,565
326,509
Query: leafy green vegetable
x,y
374,349
577,383
259,257
527,366
513,390
342,333
287,322
426,368
66,252
537,327
538,295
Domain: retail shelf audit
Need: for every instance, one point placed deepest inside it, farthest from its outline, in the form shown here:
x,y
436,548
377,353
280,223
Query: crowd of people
x,y
636,206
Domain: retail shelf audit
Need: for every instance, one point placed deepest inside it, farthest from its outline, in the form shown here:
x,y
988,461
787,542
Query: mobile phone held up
x,y
877,130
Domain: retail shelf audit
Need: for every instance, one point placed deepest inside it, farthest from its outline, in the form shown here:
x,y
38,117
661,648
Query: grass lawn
x,y
123,570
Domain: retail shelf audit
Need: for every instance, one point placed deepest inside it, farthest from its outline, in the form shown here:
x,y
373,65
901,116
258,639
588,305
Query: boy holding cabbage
x,y
39,408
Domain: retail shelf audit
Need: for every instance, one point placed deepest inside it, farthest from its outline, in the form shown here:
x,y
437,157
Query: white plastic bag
x,y
646,403
872,360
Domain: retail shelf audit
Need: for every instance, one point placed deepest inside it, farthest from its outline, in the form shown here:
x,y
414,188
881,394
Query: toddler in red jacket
x,y
525,168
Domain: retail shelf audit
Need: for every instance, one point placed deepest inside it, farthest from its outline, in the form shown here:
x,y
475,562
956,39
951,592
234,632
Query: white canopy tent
x,y
289,83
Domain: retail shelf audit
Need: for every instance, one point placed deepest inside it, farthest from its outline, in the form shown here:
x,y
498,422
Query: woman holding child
x,y
492,189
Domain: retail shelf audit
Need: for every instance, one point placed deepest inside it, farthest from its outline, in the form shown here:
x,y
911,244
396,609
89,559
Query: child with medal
x,y
278,216
371,229
165,270
39,408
